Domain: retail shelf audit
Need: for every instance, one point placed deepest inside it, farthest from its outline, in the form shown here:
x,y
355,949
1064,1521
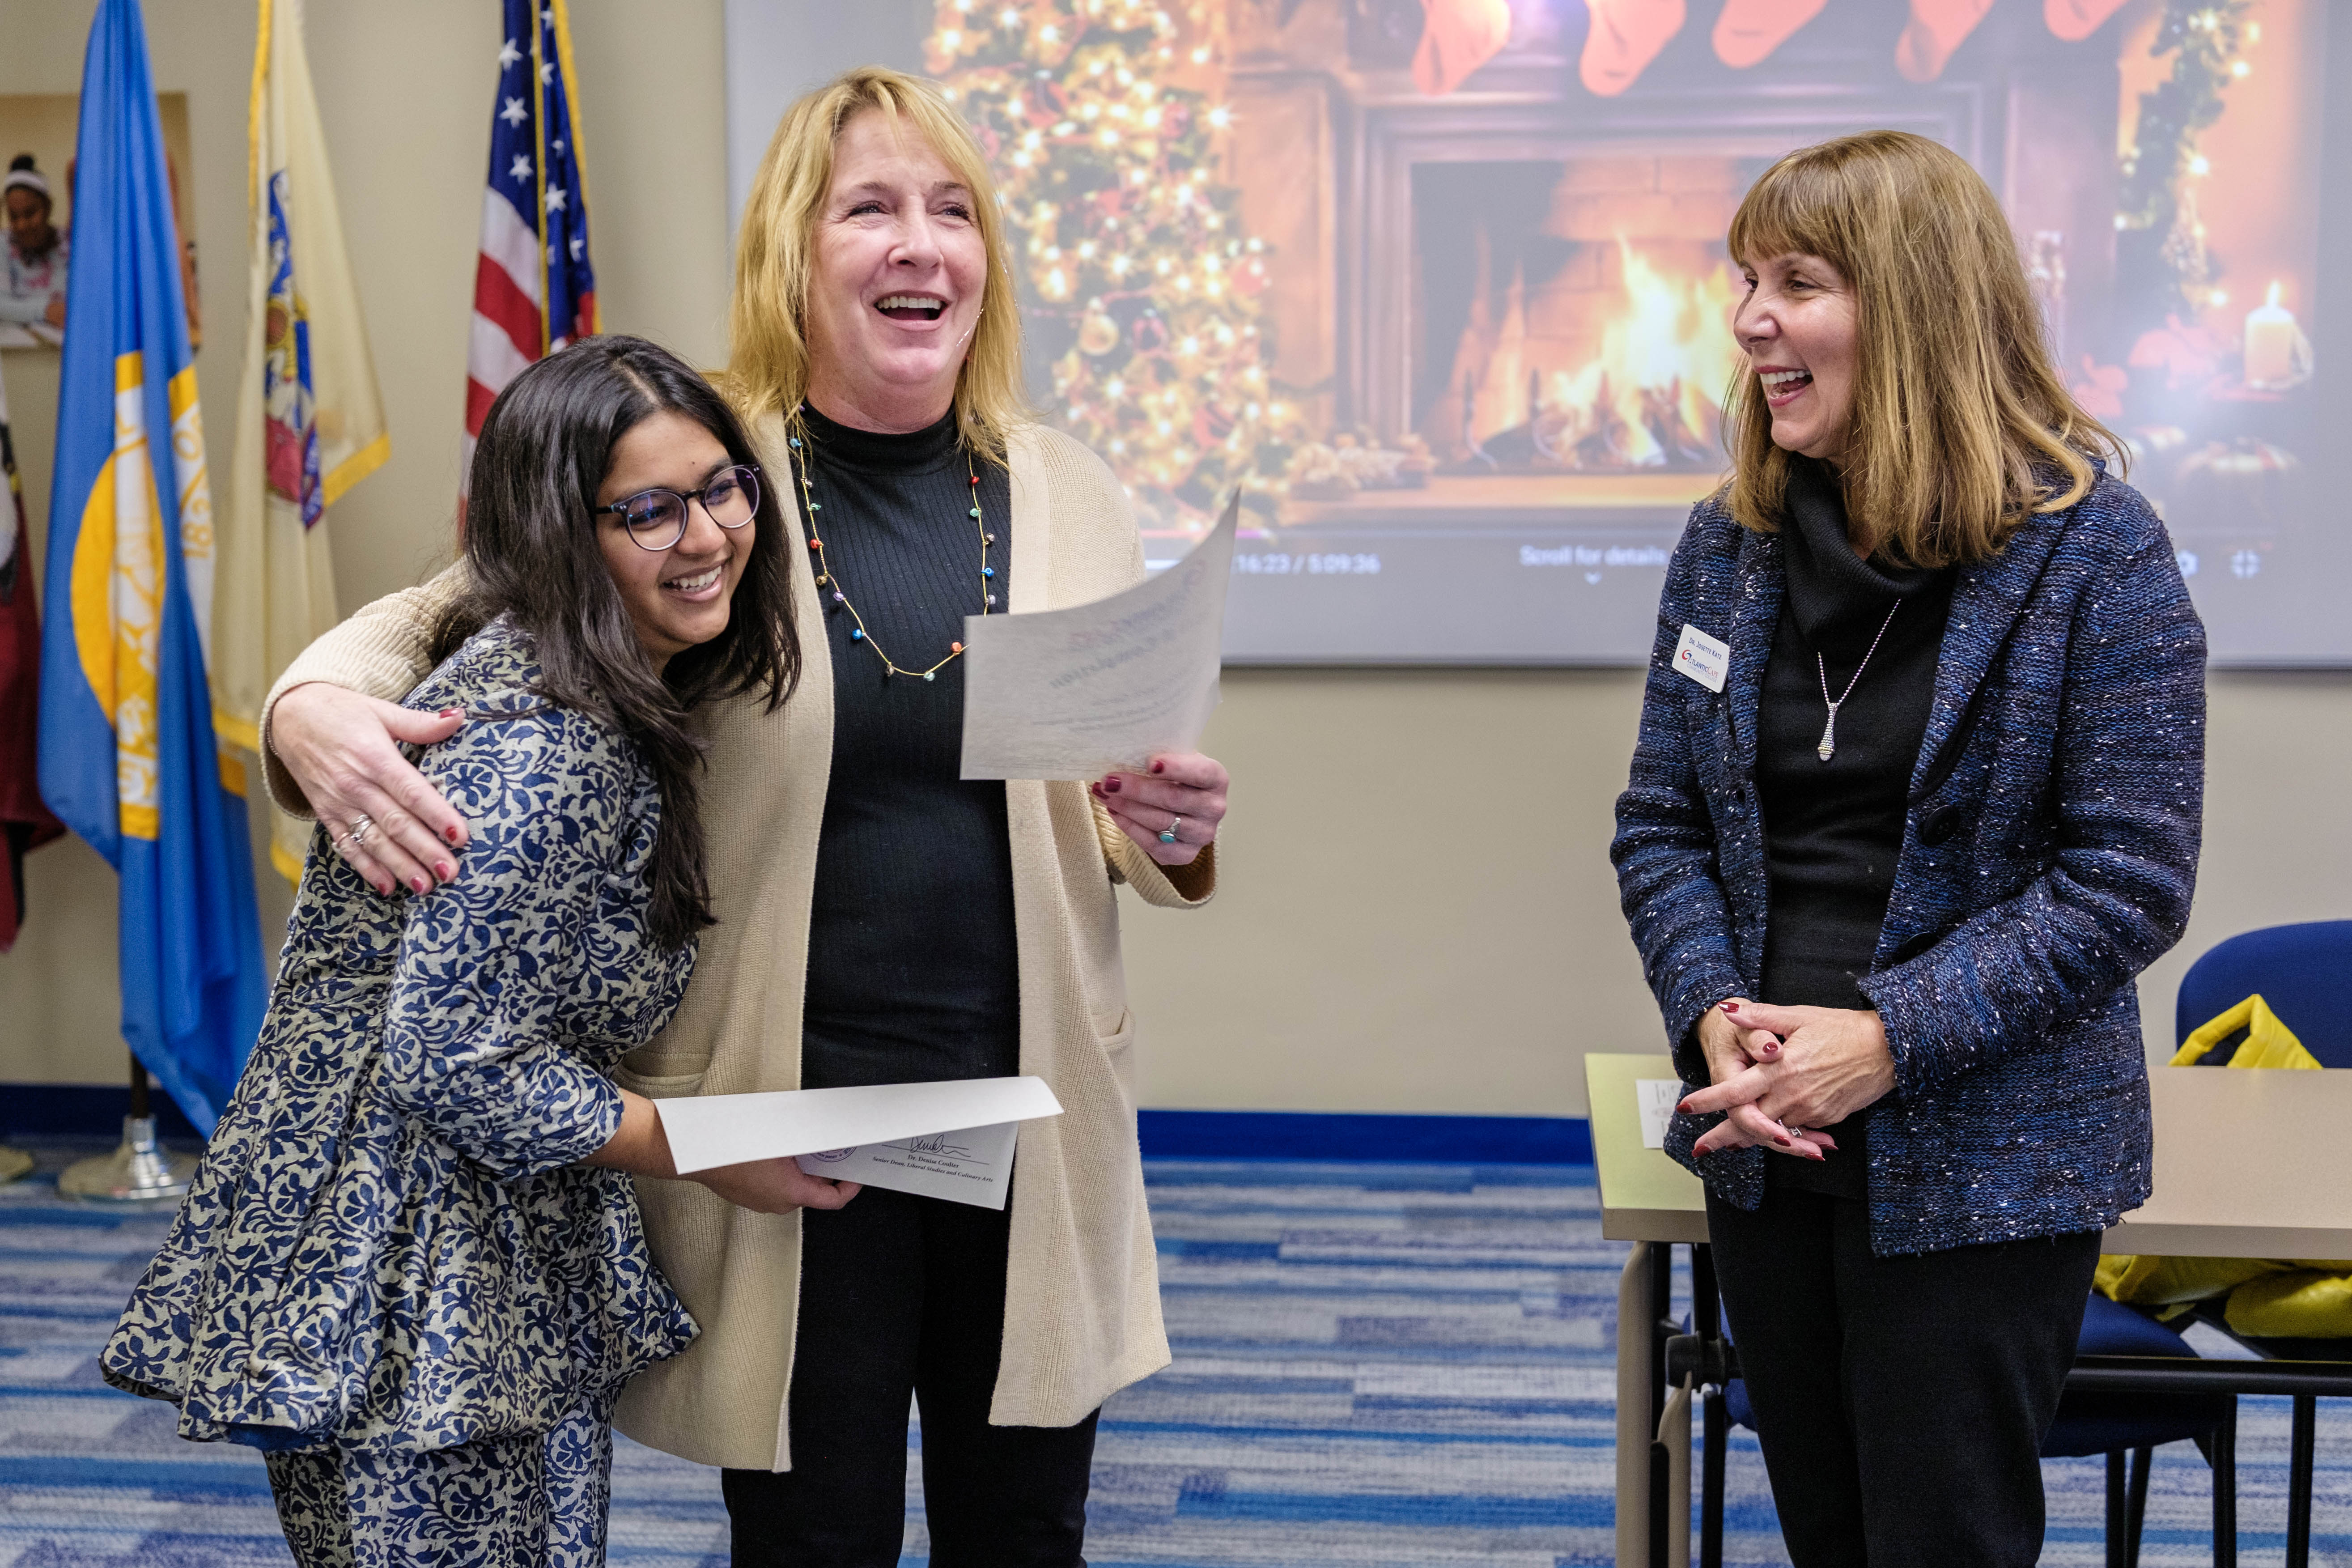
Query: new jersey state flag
x,y
309,421
128,757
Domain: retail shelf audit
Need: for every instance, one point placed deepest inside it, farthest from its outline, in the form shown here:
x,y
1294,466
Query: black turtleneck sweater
x,y
912,973
1832,830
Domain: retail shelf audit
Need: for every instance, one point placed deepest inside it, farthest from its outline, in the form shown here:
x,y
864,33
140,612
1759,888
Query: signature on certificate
x,y
937,1145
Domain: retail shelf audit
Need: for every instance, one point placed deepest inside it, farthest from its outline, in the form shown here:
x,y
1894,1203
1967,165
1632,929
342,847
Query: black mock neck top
x,y
912,973
1832,830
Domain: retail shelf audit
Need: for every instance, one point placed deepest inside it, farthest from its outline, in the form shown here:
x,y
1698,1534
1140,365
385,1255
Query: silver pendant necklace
x,y
1828,748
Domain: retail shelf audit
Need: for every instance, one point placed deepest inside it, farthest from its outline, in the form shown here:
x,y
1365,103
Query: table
x,y
2234,1177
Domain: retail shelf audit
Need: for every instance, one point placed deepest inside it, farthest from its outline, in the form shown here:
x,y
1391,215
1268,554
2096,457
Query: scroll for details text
x,y
1077,693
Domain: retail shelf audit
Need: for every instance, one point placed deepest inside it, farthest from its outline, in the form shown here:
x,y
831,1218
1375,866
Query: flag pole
x,y
141,1169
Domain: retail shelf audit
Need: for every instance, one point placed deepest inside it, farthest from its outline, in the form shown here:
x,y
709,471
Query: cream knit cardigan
x,y
1082,1298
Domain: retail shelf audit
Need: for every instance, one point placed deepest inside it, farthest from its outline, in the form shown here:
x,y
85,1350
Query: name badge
x,y
1703,658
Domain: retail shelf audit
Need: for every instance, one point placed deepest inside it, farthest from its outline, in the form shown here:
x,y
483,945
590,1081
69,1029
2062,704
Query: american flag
x,y
533,289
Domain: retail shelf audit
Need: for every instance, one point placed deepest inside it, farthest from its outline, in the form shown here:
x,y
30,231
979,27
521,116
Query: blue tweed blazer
x,y
2049,856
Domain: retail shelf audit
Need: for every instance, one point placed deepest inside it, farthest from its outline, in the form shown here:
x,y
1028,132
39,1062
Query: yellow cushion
x,y
2267,1297
2268,1042
2309,1304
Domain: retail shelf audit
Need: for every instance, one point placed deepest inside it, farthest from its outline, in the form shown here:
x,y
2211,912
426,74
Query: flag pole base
x,y
139,1169
14,1164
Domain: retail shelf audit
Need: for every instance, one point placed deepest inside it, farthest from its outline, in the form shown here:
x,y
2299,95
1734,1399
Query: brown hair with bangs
x,y
1961,427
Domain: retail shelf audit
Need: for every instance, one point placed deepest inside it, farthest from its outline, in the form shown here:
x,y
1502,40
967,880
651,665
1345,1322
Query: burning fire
x,y
1648,399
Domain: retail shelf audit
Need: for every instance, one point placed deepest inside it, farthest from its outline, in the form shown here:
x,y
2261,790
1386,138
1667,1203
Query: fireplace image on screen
x,y
1442,286
1581,326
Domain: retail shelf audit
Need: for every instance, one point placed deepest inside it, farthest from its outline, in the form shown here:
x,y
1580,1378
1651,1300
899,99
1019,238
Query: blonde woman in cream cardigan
x,y
879,920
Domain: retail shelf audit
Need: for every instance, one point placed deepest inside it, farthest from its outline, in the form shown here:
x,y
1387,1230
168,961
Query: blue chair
x,y
2127,1427
2137,1424
2299,970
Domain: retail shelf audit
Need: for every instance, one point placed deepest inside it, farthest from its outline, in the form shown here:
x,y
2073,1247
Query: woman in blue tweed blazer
x,y
1917,797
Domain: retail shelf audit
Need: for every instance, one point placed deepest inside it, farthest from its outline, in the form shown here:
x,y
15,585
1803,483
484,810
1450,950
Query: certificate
x,y
1077,693
970,1165
1657,1097
708,1131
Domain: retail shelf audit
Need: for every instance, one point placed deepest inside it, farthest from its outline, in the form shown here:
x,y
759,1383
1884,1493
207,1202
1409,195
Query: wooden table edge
x,y
1666,1226
2171,1238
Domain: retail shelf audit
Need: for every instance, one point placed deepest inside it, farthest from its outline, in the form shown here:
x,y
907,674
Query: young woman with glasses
x,y
410,1268
882,919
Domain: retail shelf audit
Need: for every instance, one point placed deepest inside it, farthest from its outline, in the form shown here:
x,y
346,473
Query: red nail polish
x,y
450,712
1782,1141
1159,767
419,884
1111,784
1683,1109
450,834
443,870
1731,1006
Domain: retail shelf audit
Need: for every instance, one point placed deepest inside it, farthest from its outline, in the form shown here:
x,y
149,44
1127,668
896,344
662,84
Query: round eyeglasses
x,y
656,518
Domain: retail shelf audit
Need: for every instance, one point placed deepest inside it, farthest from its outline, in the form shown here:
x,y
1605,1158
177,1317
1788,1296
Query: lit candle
x,y
2277,354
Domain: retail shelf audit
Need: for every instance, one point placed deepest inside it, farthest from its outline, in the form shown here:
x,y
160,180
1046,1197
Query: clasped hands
x,y
1782,1073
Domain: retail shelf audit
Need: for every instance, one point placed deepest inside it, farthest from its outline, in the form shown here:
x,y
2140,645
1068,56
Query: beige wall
x,y
1418,913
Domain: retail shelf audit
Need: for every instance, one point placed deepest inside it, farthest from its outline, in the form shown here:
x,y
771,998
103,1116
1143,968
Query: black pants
x,y
1900,1402
903,1295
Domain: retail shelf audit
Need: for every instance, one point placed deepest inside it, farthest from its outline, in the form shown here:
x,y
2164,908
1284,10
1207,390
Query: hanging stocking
x,y
1749,30
1457,37
2075,20
1626,37
1936,30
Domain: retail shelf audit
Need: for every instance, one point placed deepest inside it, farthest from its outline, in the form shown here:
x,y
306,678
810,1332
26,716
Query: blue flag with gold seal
x,y
128,757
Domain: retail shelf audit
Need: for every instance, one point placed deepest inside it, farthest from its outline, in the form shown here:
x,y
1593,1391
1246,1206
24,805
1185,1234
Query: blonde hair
x,y
768,357
1960,424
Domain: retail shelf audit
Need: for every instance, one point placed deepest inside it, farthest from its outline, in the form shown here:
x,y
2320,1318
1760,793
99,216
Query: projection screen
x,y
1442,284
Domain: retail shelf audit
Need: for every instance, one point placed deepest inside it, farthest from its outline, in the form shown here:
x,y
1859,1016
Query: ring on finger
x,y
361,828
1168,834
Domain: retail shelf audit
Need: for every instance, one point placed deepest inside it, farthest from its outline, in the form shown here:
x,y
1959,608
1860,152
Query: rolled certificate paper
x,y
1079,693
712,1130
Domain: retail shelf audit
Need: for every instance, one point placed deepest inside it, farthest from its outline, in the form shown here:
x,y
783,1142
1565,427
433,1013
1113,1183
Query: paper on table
x,y
970,1166
711,1130
1657,1097
1077,693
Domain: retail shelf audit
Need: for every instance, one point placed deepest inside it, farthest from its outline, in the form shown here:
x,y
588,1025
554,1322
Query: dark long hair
x,y
532,554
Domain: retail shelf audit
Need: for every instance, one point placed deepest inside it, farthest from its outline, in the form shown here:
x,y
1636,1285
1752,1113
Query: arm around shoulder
x,y
381,651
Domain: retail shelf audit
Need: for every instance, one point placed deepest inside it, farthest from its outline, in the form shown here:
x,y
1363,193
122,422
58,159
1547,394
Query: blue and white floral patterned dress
x,y
391,1272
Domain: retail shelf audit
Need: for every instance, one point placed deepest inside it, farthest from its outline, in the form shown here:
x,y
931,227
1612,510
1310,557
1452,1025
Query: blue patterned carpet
x,y
1375,1364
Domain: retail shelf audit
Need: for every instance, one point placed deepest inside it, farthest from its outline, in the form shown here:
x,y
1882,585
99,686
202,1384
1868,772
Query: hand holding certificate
x,y
950,1140
1080,692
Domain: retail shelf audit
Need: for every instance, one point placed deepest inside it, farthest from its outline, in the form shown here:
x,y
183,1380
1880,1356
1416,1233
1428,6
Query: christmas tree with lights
x,y
1104,122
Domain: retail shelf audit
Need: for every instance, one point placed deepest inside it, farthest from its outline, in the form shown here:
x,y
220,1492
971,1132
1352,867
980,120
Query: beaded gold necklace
x,y
829,580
